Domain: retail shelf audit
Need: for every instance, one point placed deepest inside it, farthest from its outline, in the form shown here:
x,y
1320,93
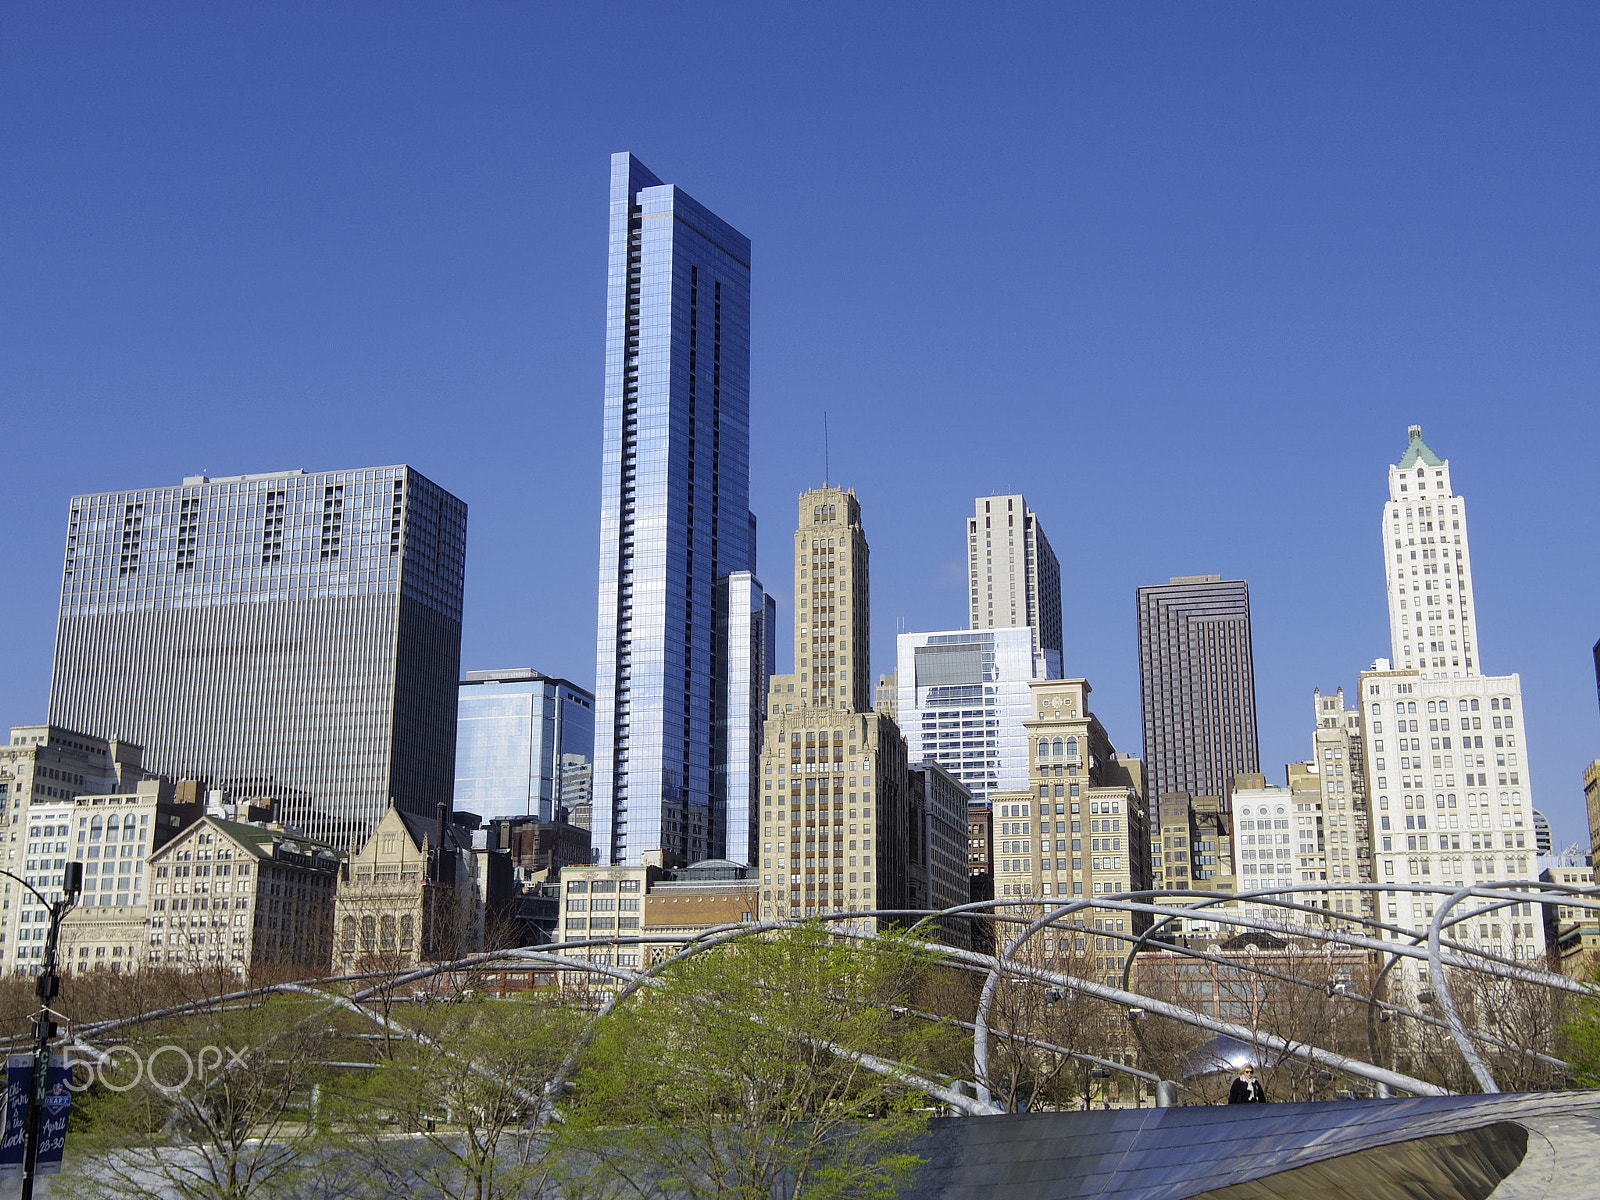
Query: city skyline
x,y
1272,247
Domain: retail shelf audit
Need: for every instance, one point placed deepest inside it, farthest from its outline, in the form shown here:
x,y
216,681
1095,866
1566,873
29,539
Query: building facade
x,y
114,836
941,802
44,770
1197,685
237,895
964,699
524,743
1433,617
293,637
836,810
638,903
1446,745
1081,828
675,520
417,892
1013,575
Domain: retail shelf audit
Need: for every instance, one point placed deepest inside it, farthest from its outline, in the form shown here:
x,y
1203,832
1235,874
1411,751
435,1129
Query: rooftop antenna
x,y
825,467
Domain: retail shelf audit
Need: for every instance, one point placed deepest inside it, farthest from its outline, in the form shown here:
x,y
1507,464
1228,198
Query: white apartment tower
x,y
1432,614
1451,799
1013,575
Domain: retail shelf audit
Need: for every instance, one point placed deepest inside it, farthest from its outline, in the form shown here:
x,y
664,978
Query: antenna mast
x,y
825,465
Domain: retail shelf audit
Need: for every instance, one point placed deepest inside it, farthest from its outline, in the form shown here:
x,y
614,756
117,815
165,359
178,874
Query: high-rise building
x,y
836,812
1446,745
1433,619
1542,836
524,744
1338,770
1013,575
964,698
677,538
1197,684
293,637
1081,827
939,830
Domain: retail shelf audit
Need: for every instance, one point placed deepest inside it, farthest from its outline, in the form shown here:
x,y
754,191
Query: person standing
x,y
1247,1088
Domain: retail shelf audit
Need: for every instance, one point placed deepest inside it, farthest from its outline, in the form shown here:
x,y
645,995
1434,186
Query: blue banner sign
x,y
53,1121
19,1085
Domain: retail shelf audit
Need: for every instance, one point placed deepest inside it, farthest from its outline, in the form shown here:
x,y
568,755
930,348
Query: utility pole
x,y
46,987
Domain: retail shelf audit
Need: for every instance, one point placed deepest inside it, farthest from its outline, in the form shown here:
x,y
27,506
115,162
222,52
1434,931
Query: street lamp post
x,y
45,987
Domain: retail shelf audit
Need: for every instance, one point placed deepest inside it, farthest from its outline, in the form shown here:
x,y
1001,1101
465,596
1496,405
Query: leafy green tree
x,y
746,1074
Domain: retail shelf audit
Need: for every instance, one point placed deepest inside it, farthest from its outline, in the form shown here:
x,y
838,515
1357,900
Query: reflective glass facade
x,y
964,697
675,520
524,744
294,637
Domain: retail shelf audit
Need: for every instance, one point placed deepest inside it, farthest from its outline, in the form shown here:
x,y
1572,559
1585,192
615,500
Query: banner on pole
x,y
53,1121
14,1131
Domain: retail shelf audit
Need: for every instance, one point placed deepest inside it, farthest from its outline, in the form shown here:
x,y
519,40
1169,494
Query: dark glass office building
x,y
1197,682
676,707
293,637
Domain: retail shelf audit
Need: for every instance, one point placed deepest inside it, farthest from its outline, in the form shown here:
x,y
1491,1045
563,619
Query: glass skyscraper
x,y
672,744
524,744
964,697
292,637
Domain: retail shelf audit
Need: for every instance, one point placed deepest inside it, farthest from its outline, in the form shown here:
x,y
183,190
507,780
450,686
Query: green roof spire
x,y
1418,449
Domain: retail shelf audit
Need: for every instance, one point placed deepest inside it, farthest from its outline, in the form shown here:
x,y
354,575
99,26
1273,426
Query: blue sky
x,y
1180,273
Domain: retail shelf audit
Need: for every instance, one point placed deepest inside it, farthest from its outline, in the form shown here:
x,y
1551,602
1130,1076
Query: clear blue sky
x,y
1181,273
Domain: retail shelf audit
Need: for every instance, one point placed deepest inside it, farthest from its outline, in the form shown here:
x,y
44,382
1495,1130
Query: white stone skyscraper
x,y
1432,614
1013,575
1446,745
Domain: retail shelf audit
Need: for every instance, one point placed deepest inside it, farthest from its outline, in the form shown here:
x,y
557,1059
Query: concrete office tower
x,y
524,744
675,524
292,637
1197,683
836,812
964,697
1013,574
1433,619
1081,827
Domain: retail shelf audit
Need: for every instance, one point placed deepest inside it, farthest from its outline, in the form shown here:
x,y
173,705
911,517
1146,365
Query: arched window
x,y
1056,747
129,826
407,935
1072,747
369,934
96,827
1044,747
347,935
388,938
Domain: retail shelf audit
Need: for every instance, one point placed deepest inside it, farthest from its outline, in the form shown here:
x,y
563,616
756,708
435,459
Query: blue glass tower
x,y
675,524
